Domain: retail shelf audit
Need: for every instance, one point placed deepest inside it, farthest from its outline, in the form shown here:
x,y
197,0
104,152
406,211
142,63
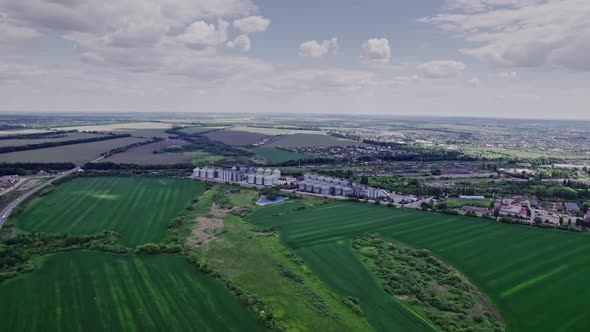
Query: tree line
x,y
8,149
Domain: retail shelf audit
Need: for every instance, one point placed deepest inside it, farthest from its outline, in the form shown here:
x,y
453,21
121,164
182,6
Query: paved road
x,y
8,210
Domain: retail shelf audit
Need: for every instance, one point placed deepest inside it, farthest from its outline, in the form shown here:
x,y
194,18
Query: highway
x,y
8,210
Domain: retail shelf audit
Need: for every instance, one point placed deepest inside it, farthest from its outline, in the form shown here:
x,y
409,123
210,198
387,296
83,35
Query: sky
x,y
481,58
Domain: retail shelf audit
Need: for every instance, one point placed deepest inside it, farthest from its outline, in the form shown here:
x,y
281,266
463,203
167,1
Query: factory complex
x,y
337,187
250,175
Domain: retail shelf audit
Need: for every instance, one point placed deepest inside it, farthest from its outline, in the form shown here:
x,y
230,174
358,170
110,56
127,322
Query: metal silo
x,y
338,190
251,178
317,188
259,179
210,173
346,191
268,180
301,185
309,187
325,190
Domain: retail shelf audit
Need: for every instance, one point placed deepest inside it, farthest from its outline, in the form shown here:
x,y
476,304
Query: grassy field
x,y
77,154
144,155
518,267
303,140
232,137
199,130
138,208
67,137
92,291
253,259
454,203
274,155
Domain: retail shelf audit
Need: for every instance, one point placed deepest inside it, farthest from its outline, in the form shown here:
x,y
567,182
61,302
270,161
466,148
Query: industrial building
x,y
323,185
250,175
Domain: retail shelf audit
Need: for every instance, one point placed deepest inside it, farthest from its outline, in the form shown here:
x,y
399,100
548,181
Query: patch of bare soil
x,y
218,212
207,230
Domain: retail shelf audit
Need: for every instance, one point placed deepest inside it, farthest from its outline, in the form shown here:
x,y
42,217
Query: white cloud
x,y
376,51
316,50
506,74
17,72
201,34
521,33
242,43
441,68
251,24
474,82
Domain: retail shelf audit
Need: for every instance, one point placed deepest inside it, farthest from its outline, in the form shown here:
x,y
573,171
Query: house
x,y
534,203
571,208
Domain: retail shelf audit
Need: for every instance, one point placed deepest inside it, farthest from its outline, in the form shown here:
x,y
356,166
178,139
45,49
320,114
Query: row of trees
x,y
8,149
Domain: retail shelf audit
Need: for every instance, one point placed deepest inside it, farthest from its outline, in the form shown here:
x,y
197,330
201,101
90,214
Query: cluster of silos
x,y
325,185
264,177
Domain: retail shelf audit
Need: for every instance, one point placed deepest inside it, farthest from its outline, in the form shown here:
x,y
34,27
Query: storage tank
x,y
203,173
313,177
259,170
317,188
306,176
275,179
301,185
338,190
210,173
321,179
251,178
325,190
259,179
196,172
268,180
309,187
346,191
268,171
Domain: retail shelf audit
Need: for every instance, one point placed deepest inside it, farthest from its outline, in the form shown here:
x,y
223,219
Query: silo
x,y
268,180
306,177
346,191
203,173
313,177
309,187
325,190
338,190
268,171
251,178
301,185
321,179
317,188
210,173
196,172
259,179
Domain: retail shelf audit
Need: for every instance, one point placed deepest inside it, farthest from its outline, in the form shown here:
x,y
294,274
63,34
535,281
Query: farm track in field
x,y
517,267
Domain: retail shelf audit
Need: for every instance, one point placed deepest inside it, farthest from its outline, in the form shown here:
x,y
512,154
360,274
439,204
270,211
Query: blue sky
x,y
493,58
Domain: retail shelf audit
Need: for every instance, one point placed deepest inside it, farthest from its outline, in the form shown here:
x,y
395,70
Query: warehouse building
x,y
325,185
250,175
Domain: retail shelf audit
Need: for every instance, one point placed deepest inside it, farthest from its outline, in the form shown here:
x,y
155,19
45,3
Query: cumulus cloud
x,y
201,34
376,51
251,24
521,33
242,43
474,82
314,49
441,68
506,74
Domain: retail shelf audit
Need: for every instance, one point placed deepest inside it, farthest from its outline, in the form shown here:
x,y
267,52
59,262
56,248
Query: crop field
x,y
274,155
144,155
138,208
93,291
454,203
232,137
120,126
199,130
270,131
77,154
519,268
67,137
304,140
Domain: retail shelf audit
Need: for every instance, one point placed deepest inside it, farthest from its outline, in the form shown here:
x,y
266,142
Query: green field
x,y
138,208
277,155
455,203
527,272
92,291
